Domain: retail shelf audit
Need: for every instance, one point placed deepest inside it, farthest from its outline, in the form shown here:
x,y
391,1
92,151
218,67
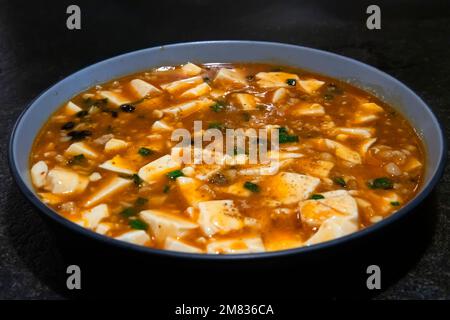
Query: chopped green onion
x,y
166,188
340,181
253,187
217,107
145,151
175,174
381,183
128,212
137,180
395,203
285,137
138,224
77,160
140,202
317,197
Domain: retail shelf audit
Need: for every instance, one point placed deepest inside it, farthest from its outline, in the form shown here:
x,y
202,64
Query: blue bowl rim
x,y
263,255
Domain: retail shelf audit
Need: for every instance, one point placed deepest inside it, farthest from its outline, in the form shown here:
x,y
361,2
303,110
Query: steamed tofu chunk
x,y
176,87
71,108
109,189
50,198
219,217
93,216
302,109
119,165
197,91
143,89
114,98
236,189
367,112
235,246
185,109
279,95
310,86
335,204
78,148
39,174
230,78
63,181
193,190
103,228
115,145
156,169
276,79
161,126
332,228
246,101
165,224
315,168
341,151
191,69
412,164
288,188
178,245
357,132
136,237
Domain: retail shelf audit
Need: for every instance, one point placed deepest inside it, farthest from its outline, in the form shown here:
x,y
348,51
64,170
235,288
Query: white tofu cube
x,y
246,101
332,228
310,86
119,165
236,246
161,126
178,245
313,110
93,216
65,181
193,190
156,169
143,89
276,79
219,217
289,188
165,224
136,237
185,109
335,204
83,148
230,77
71,108
197,91
39,174
175,87
114,98
109,189
115,145
191,69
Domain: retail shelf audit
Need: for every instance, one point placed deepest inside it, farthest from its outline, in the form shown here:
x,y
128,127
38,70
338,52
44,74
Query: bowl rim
x,y
52,214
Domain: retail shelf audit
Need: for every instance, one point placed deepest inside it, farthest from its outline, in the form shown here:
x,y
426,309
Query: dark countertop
x,y
36,50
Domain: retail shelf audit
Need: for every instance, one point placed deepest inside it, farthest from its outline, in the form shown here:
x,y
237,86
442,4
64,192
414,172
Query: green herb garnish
x,y
381,183
138,224
139,202
317,197
217,107
77,160
128,212
145,151
285,137
395,203
340,181
137,180
175,174
253,187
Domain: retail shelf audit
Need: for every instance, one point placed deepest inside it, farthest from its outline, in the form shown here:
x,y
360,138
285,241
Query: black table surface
x,y
37,50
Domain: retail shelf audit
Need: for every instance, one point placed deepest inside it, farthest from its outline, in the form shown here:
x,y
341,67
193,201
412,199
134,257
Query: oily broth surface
x,y
279,227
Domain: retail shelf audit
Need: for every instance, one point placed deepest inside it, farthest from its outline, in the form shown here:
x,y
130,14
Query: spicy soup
x,y
105,160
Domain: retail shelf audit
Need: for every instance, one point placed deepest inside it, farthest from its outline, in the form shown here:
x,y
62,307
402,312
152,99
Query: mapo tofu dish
x,y
109,160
